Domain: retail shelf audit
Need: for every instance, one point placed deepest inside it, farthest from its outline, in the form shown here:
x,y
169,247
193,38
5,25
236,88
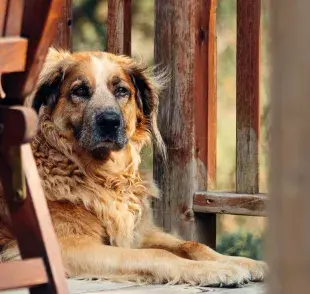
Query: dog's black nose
x,y
108,121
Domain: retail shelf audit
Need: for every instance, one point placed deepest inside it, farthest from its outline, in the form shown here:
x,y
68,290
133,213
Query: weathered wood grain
x,y
185,44
13,52
22,274
63,36
248,70
119,27
230,203
289,238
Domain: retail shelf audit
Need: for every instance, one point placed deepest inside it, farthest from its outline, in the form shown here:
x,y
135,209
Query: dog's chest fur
x,y
111,209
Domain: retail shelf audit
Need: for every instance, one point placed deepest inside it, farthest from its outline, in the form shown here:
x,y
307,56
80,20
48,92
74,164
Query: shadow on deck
x,y
81,287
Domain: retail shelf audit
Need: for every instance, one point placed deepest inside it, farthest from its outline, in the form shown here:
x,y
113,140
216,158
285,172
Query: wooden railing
x,y
185,43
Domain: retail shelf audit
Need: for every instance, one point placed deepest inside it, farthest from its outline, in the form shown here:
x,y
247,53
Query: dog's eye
x,y
80,91
121,92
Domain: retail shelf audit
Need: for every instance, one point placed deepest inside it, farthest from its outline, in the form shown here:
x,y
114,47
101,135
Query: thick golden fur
x,y
100,206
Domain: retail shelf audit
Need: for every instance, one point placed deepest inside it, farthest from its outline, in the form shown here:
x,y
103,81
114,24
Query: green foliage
x,y
241,243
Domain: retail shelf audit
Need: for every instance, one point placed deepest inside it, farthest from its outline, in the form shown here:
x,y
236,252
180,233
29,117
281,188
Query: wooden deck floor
x,y
80,287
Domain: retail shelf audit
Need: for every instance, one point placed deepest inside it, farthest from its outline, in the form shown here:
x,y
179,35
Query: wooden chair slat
x,y
13,52
22,274
14,18
35,237
3,8
40,31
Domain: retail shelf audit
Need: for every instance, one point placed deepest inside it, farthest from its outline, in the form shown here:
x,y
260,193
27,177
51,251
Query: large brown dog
x,y
97,111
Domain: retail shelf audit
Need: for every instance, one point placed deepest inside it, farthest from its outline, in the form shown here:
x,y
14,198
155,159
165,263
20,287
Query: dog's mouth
x,y
102,149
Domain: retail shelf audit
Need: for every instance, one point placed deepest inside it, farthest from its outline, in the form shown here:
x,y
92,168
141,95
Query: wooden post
x,y
289,238
63,36
185,42
119,27
248,51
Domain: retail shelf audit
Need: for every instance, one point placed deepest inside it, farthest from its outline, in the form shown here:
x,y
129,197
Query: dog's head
x,y
103,100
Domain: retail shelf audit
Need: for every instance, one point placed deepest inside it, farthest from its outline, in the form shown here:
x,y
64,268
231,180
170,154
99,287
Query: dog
x,y
96,112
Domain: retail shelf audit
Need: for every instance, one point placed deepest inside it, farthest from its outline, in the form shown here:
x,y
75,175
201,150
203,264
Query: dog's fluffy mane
x,y
108,189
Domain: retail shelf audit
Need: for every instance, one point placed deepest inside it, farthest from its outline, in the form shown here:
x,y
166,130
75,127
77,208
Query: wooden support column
x,y
289,237
119,27
63,36
248,63
185,43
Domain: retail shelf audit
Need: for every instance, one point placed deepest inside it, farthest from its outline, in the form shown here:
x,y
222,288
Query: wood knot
x,y
201,34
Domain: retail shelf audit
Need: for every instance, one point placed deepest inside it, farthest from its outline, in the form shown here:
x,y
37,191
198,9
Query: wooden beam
x,y
230,203
185,42
289,237
13,52
22,274
248,53
119,27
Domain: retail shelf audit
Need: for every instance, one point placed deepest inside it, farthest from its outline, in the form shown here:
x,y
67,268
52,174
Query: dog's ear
x,y
147,98
50,79
47,92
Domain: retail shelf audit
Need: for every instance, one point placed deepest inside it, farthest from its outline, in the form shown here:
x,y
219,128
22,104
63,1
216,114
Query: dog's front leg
x,y
155,238
85,257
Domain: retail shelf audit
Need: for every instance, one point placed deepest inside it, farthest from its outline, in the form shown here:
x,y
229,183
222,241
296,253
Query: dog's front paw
x,y
230,276
212,273
257,269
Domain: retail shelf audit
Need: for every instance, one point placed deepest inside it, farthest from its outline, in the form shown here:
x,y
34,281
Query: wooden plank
x,y
3,9
248,51
40,31
119,27
230,203
63,36
14,18
289,238
22,274
13,52
185,43
47,241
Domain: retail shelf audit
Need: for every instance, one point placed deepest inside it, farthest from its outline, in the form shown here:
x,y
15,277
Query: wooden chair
x,y
27,29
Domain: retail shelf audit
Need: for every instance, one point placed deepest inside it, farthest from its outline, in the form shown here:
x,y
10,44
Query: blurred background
x,y
237,235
